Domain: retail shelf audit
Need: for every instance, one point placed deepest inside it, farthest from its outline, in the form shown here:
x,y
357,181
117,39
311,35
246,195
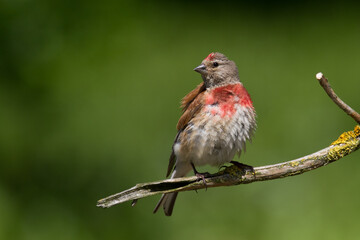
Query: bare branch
x,y
325,84
347,143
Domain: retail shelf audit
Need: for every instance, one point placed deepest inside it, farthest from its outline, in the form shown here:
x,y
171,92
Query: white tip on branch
x,y
319,76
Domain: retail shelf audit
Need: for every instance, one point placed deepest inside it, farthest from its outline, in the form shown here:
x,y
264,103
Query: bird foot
x,y
200,176
243,167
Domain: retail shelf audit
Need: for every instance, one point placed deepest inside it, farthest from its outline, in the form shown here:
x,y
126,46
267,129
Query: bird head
x,y
217,70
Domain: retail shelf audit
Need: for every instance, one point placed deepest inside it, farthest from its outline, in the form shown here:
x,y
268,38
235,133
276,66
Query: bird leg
x,y
200,176
243,167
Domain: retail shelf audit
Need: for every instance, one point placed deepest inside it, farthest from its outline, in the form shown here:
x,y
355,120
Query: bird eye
x,y
215,64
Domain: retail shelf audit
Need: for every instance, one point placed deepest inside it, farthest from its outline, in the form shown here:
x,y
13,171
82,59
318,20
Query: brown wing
x,y
191,105
189,98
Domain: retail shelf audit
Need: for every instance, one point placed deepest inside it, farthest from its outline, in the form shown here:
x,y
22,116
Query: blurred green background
x,y
89,99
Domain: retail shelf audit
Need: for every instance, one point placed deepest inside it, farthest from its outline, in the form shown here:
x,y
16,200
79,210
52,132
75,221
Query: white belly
x,y
215,139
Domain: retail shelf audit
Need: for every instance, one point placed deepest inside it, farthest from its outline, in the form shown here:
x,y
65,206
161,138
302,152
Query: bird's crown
x,y
215,56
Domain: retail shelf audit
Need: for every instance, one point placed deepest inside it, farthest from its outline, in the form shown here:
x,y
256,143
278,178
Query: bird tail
x,y
168,200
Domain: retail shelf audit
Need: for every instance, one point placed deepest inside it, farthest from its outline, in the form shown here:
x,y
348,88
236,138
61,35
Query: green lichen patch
x,y
233,170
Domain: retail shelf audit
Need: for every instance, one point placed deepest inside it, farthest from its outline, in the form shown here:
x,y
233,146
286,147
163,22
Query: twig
x,y
325,84
347,143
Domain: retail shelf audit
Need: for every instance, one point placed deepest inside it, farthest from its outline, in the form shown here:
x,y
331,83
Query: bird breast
x,y
220,130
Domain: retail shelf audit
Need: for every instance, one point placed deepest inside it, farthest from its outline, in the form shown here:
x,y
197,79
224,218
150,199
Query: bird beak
x,y
200,69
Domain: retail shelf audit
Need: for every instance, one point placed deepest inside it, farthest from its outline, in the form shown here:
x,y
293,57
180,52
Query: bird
x,y
217,119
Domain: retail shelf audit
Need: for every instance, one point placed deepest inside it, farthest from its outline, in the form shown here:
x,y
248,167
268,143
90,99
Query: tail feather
x,y
160,202
169,203
168,200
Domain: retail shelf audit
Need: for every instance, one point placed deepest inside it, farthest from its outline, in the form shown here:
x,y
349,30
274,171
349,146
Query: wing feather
x,y
191,104
189,98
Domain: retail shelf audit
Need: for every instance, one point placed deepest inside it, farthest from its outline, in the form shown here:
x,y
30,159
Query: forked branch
x,y
347,143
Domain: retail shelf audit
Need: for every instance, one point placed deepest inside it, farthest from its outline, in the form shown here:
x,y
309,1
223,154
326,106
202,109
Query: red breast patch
x,y
226,97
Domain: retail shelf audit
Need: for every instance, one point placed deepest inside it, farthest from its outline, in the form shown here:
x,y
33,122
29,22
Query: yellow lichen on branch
x,y
345,144
348,136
